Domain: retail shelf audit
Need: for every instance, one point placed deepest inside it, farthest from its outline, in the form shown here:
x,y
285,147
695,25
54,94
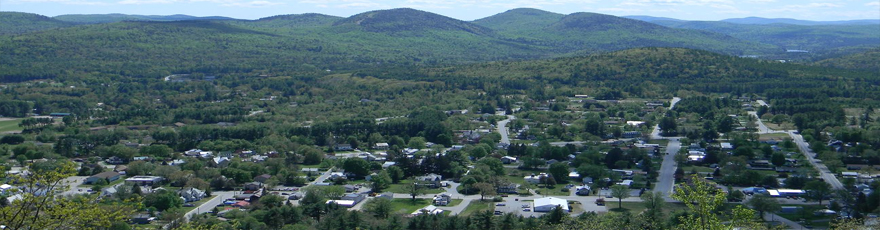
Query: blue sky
x,y
822,10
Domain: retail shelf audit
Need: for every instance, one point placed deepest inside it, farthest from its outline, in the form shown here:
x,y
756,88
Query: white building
x,y
547,204
534,179
343,203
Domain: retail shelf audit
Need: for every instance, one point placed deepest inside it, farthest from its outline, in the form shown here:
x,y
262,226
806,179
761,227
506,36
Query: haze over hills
x,y
316,42
764,21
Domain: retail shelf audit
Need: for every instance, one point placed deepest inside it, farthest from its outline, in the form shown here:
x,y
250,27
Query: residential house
x,y
142,218
357,198
582,190
442,200
574,175
381,146
253,186
350,188
388,164
535,179
191,194
508,159
262,178
507,188
632,134
106,176
343,147
220,162
114,160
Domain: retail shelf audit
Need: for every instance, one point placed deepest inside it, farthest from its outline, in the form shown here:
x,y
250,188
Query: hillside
x,y
643,72
519,20
817,38
869,60
108,18
408,20
765,21
19,23
590,32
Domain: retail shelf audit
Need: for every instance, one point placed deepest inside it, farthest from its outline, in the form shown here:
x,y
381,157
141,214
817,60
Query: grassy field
x,y
661,142
399,188
198,203
407,206
477,206
10,125
638,207
557,191
807,217
777,136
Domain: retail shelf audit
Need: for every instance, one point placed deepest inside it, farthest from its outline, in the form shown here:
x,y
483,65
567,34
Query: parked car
x,y
501,204
189,205
527,210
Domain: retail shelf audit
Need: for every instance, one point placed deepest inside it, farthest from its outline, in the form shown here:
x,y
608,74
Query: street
x,y
502,129
666,176
823,170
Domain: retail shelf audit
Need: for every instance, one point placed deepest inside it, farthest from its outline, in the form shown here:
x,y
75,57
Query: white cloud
x,y
253,4
872,4
140,2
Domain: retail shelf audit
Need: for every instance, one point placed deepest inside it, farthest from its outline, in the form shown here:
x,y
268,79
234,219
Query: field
x,y
477,206
407,206
399,188
10,125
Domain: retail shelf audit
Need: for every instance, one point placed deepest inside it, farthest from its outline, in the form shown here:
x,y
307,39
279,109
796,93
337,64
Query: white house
x,y
508,159
534,179
547,204
343,203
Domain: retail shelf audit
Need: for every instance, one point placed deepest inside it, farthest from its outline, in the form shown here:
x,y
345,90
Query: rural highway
x,y
826,174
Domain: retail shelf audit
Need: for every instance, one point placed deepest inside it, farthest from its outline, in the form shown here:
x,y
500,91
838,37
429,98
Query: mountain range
x,y
136,45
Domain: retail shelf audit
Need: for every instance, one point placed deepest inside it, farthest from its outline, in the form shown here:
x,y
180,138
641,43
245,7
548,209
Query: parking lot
x,y
510,205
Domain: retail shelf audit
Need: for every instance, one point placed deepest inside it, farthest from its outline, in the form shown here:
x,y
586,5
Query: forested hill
x,y
820,40
645,71
869,60
19,23
107,18
44,47
590,32
404,19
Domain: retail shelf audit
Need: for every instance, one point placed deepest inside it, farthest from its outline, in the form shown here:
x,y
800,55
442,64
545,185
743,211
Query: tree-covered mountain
x,y
818,39
589,32
19,23
764,21
869,60
315,42
107,18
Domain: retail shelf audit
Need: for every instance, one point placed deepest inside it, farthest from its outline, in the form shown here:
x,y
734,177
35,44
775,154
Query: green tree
x,y
36,210
379,207
817,190
163,200
380,182
763,203
559,171
485,189
778,159
620,192
654,204
357,166
395,173
414,189
668,126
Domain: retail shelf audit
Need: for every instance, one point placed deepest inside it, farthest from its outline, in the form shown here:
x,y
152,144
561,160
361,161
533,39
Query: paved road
x,y
823,170
666,179
502,129
206,207
761,127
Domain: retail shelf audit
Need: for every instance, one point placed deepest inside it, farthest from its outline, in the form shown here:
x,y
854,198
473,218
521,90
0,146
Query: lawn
x,y
197,204
807,217
661,142
10,125
478,206
407,206
781,126
399,188
638,207
777,136
455,202
557,191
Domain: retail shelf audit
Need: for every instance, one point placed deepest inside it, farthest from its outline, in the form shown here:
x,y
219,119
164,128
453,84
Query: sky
x,y
817,10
